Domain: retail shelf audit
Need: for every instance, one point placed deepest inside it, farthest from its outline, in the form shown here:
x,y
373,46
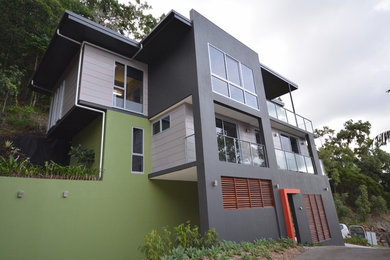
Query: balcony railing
x,y
294,162
242,152
190,151
289,117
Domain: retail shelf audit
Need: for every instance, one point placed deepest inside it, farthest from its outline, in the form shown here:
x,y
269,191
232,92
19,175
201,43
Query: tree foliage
x,y
28,25
355,166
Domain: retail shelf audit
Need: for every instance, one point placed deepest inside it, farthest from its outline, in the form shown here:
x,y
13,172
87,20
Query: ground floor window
x,y
316,216
137,157
241,193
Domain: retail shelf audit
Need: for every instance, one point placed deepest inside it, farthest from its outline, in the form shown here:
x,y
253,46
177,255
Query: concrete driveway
x,y
344,253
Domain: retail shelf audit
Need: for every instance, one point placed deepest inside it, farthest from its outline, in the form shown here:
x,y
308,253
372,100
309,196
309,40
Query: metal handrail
x,y
296,116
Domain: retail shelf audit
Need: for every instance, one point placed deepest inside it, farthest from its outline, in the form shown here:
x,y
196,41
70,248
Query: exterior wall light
x,y
277,186
20,194
215,183
326,189
65,194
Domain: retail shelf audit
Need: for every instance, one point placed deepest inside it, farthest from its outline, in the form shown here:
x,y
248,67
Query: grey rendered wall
x,y
172,77
247,224
97,76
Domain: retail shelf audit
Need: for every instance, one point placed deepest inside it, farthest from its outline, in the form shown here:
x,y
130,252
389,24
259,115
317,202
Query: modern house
x,y
185,125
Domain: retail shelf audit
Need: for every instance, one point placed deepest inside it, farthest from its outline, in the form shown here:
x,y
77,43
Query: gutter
x,y
85,107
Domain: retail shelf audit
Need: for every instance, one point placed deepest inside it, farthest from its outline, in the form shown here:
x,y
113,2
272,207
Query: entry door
x,y
294,217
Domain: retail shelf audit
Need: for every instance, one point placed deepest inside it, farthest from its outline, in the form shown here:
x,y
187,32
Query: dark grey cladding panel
x,y
172,76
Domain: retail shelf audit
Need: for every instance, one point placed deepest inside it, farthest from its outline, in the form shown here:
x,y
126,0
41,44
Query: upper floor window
x,y
231,78
161,125
128,88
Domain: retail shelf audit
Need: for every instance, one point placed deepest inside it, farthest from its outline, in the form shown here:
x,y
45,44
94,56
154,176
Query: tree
x,y
362,203
351,160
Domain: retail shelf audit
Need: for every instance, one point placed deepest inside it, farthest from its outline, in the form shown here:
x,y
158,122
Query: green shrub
x,y
82,156
187,235
156,244
357,240
17,164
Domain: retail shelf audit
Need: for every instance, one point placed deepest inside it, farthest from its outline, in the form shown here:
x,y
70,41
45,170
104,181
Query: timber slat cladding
x,y
316,216
241,193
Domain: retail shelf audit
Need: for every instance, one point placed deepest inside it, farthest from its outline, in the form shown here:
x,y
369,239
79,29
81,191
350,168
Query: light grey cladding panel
x,y
70,78
168,148
97,76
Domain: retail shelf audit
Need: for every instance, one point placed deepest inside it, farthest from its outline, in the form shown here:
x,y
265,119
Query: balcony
x,y
241,152
190,152
294,162
289,117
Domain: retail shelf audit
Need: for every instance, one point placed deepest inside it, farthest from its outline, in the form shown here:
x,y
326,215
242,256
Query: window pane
x,y
230,129
237,94
221,148
165,122
217,62
137,163
286,144
218,123
230,149
294,144
251,100
233,71
137,141
134,89
220,86
118,97
119,74
247,78
156,127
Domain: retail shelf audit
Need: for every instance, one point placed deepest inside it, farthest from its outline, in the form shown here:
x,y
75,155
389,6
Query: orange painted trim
x,y
287,212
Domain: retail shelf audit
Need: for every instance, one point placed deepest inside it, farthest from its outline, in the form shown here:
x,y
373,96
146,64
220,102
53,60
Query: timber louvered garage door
x,y
241,193
316,216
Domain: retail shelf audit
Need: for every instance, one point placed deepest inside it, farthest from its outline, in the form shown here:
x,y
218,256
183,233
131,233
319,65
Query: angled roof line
x,y
171,15
98,27
278,75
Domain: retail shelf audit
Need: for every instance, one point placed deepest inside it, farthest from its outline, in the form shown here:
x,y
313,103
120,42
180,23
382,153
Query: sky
x,y
338,52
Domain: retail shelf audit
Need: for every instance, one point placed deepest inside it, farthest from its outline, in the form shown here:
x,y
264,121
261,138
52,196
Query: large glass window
x,y
128,88
137,158
232,79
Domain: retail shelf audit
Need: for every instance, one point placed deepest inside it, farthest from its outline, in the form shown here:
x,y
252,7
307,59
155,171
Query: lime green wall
x,y
100,219
89,138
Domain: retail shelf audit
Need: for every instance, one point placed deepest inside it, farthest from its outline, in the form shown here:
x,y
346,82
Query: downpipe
x,y
76,102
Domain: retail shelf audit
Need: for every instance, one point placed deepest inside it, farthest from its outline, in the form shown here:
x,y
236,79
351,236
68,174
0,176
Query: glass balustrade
x,y
189,142
294,162
289,117
242,152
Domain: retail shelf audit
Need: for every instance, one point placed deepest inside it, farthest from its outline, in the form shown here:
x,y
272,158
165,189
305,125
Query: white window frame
x,y
230,82
137,154
160,120
124,87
